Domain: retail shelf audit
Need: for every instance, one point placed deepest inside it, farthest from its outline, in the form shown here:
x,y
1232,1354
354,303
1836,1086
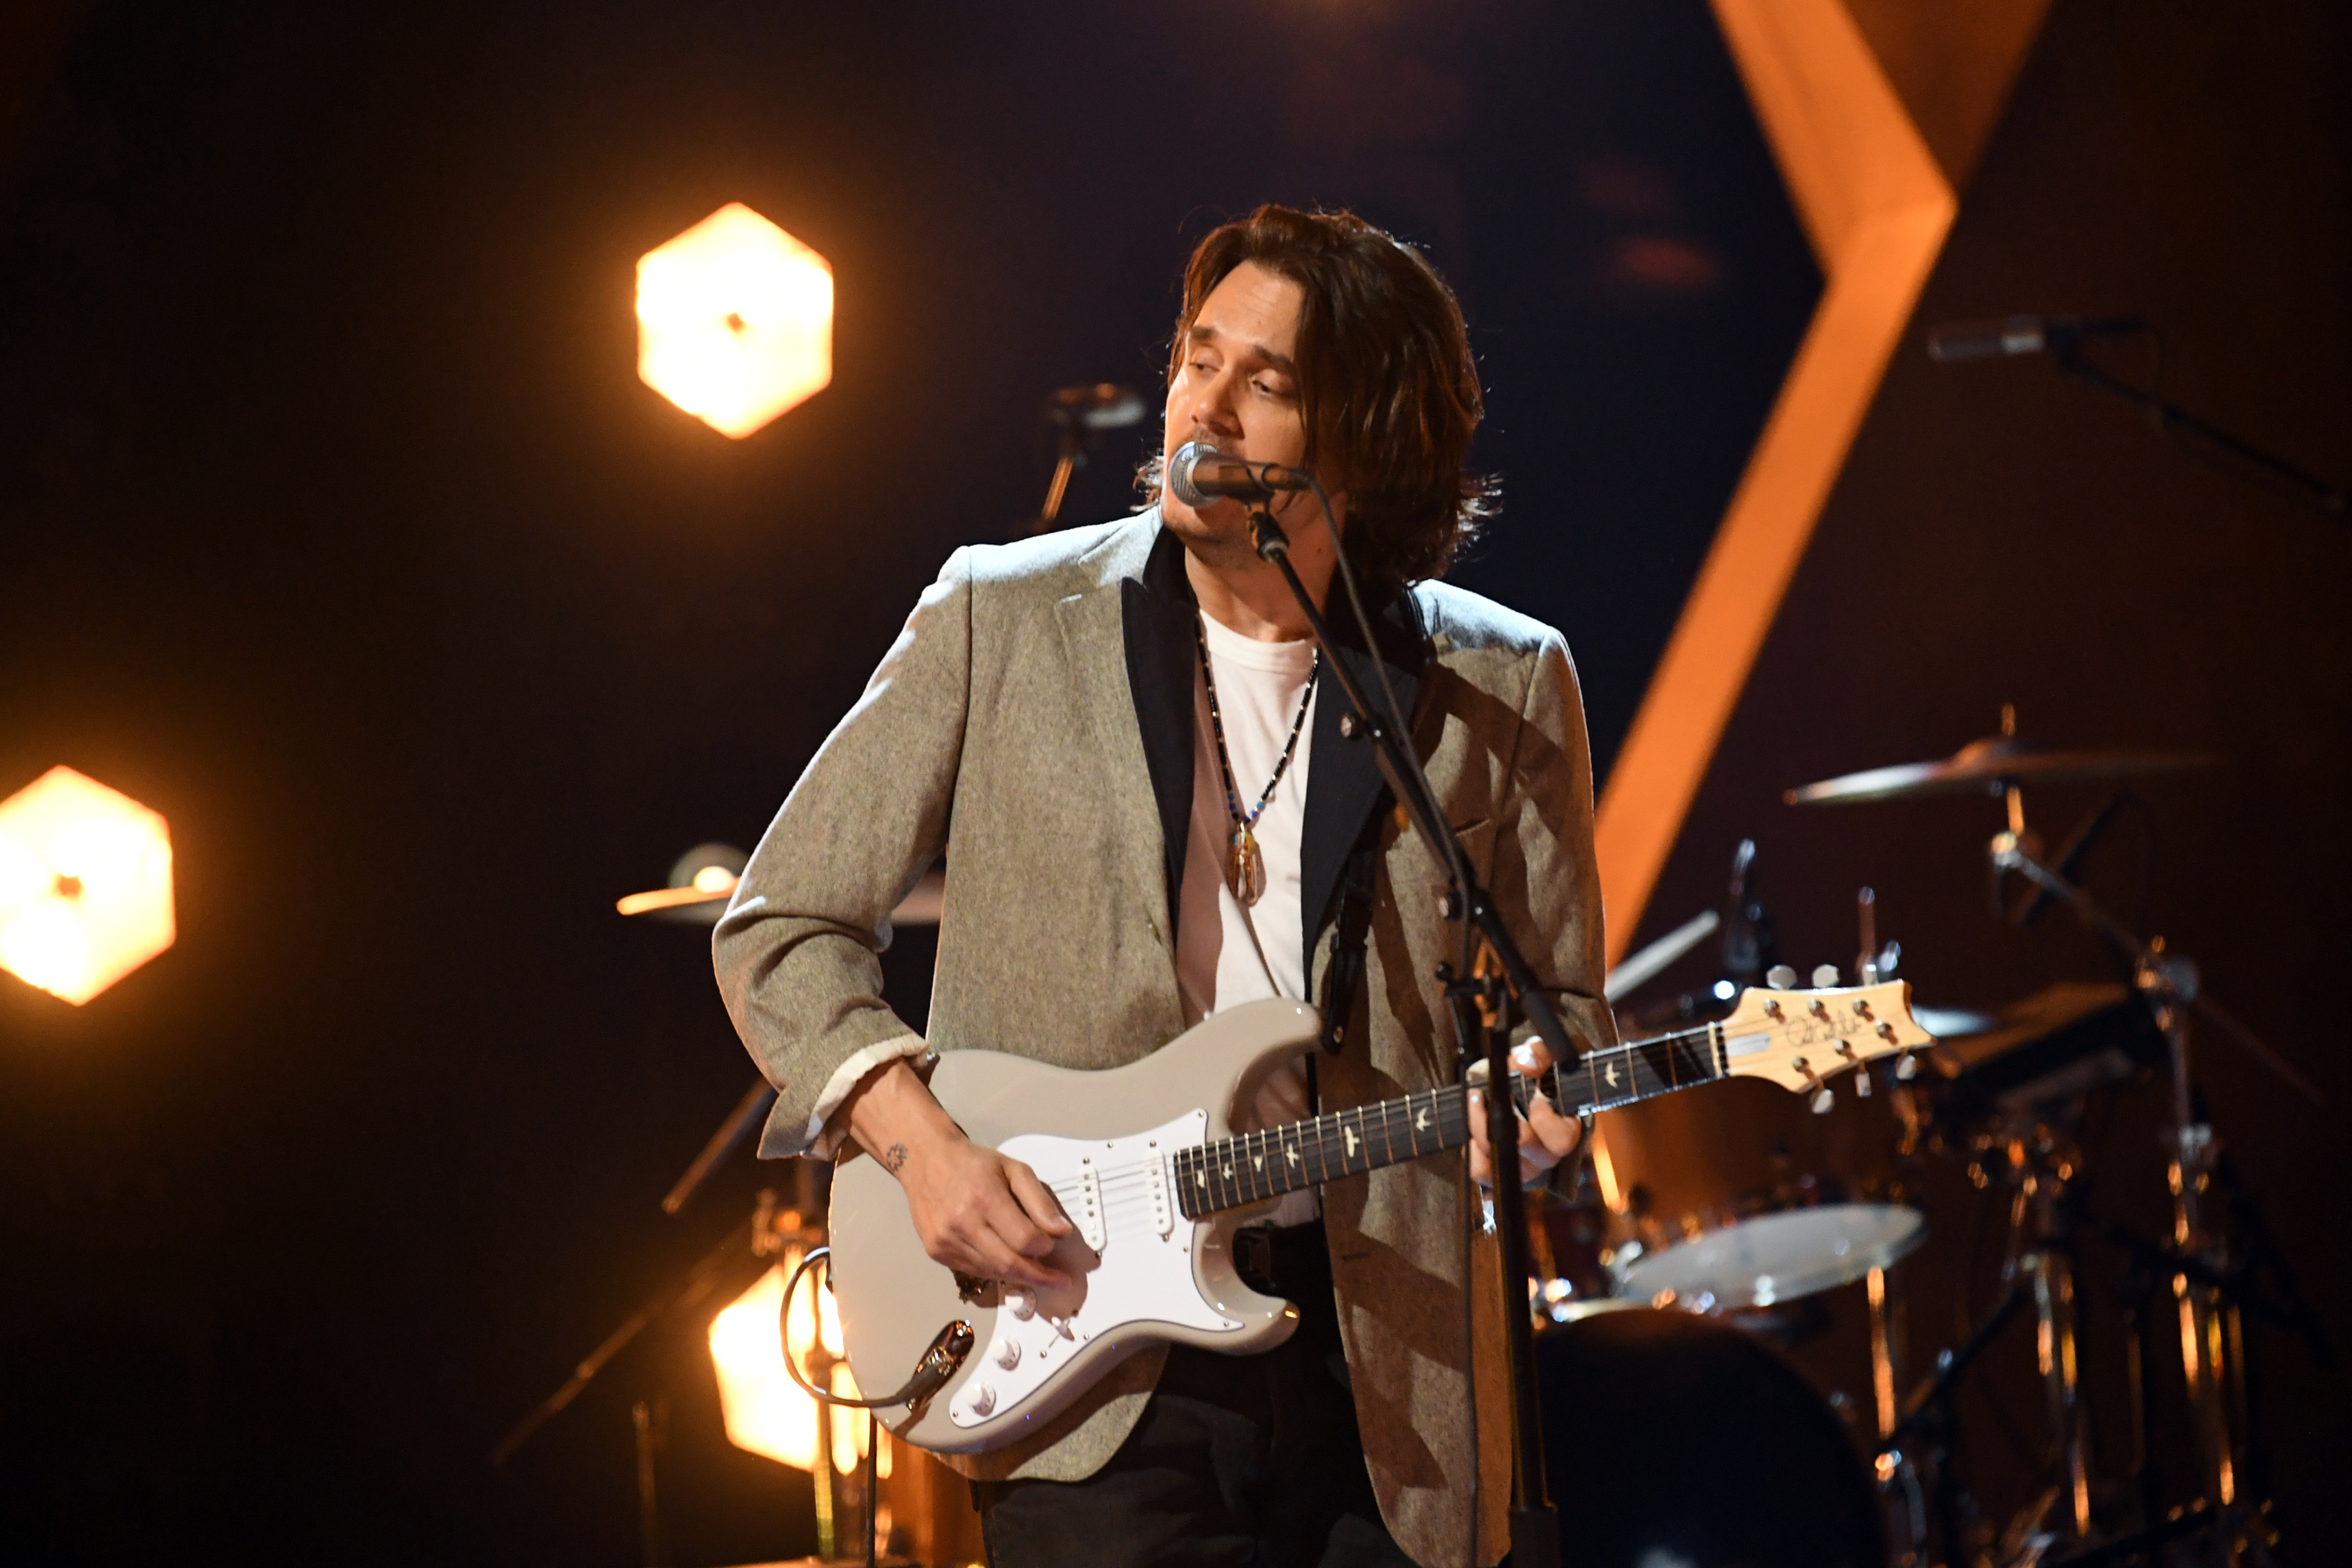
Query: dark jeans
x,y
1238,1459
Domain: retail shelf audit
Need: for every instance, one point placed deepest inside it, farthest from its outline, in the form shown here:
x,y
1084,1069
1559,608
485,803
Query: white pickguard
x,y
1117,1191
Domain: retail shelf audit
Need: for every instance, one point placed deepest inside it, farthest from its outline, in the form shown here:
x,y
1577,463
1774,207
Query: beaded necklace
x,y
1245,866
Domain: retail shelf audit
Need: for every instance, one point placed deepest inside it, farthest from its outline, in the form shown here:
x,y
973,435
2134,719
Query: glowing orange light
x,y
85,884
735,320
765,1412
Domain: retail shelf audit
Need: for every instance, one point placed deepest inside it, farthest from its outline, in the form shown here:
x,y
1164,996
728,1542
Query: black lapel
x,y
1157,612
1343,776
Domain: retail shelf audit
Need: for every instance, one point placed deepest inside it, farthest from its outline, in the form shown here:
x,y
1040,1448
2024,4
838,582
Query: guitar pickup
x,y
1088,1214
1155,1181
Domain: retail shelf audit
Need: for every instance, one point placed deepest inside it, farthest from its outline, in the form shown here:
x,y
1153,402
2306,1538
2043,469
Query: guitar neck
x,y
1251,1167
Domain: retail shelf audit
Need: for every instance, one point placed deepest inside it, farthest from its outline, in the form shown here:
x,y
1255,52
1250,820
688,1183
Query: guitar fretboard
x,y
1251,1167
1636,1070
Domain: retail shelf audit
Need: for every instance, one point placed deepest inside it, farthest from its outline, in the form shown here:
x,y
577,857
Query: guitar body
x,y
1141,1272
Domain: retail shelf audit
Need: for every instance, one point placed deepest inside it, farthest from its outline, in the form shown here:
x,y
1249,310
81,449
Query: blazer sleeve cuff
x,y
824,1141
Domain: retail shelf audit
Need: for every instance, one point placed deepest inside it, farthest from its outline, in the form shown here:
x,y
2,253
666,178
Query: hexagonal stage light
x,y
735,320
85,884
764,1410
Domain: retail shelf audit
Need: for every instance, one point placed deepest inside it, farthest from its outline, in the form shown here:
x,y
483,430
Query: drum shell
x,y
1670,1438
1679,1167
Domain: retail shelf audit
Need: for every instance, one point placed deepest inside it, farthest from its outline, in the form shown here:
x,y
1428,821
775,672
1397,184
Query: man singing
x,y
1154,805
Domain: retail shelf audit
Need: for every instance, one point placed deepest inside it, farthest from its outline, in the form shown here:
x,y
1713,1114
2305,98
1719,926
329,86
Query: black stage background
x,y
335,525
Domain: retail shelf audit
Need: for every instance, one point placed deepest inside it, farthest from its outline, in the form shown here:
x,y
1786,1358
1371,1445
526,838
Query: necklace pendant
x,y
1245,867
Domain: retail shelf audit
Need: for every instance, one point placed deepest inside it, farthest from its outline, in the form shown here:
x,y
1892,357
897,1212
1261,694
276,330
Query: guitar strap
x,y
1343,976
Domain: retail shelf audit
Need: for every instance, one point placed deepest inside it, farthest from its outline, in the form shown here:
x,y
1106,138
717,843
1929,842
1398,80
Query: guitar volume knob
x,y
1020,1305
1008,1354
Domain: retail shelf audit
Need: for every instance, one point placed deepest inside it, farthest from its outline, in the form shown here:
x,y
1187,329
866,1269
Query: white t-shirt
x,y
1228,952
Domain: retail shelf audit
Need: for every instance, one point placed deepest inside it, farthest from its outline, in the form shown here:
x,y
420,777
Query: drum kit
x,y
1756,1218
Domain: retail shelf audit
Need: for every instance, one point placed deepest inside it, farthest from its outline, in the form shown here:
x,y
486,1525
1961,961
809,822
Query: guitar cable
x,y
937,1364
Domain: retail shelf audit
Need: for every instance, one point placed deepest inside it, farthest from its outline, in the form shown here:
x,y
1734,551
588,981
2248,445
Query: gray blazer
x,y
1034,724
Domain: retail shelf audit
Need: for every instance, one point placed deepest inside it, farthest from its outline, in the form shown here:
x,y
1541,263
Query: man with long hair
x,y
1153,808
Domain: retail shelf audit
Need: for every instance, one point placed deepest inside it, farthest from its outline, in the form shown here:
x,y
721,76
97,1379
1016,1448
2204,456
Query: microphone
x,y
1200,474
2016,335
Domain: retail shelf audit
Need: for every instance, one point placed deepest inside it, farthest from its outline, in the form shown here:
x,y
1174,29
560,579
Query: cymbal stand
x,y
2209,1330
2041,1164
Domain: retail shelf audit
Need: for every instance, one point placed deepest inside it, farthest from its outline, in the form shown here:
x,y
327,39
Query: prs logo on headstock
x,y
1798,1038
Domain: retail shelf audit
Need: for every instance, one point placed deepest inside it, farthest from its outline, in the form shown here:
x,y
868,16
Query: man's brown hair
x,y
1385,379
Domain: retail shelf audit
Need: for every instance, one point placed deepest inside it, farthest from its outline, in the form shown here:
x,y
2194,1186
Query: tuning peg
x,y
1825,976
1781,978
1906,1067
1862,1071
1819,1097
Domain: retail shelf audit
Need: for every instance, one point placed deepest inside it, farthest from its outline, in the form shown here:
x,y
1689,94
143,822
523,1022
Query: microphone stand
x,y
2065,341
1482,1004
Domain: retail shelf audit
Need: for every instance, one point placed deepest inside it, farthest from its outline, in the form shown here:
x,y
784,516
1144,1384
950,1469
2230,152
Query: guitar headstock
x,y
1798,1039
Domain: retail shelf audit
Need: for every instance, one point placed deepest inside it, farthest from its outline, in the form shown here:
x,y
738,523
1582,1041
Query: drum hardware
x,y
731,1258
1750,947
1928,1418
1748,950
2089,1042
2061,1041
1081,414
2209,1342
2039,1164
748,1113
1655,959
777,1226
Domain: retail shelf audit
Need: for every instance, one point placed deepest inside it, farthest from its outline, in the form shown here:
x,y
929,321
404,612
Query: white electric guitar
x,y
1143,1163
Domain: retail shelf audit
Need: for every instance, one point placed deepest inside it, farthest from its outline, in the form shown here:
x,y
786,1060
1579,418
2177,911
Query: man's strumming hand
x,y
978,1212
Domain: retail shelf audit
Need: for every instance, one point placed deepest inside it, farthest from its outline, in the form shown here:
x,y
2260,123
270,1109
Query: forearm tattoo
x,y
894,1158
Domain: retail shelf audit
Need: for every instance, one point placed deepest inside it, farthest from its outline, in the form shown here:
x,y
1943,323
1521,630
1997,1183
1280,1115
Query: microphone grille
x,y
1180,473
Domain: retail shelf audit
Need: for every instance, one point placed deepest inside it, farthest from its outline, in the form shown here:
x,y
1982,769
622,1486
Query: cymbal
x,y
1989,767
1103,406
704,899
